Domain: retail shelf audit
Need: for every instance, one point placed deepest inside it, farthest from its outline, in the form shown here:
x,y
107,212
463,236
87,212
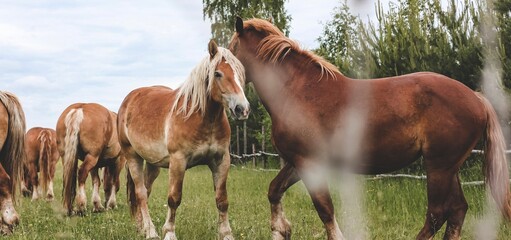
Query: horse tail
x,y
12,155
45,139
495,165
70,161
130,192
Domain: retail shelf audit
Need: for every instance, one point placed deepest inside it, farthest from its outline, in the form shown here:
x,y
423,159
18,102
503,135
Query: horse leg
x,y
151,172
25,186
8,215
136,170
96,198
88,164
457,209
280,226
108,186
33,180
114,173
49,194
316,182
219,171
177,168
439,185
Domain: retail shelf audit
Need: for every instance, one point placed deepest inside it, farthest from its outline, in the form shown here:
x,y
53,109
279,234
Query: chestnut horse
x,y
12,155
179,129
42,157
417,115
88,131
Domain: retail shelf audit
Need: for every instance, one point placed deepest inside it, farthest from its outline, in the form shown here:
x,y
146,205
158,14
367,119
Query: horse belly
x,y
155,153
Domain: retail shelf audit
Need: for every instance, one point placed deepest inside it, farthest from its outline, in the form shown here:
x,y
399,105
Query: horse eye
x,y
218,74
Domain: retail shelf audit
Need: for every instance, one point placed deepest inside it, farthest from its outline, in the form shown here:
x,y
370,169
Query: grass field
x,y
394,209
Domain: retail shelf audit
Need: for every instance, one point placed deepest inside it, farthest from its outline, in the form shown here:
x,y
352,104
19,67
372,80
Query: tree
x,y
406,40
222,14
503,12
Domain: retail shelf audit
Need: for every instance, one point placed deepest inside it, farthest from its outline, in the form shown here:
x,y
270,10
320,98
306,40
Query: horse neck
x,y
288,80
214,111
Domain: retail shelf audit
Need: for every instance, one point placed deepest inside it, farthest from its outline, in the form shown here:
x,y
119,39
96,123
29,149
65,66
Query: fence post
x,y
254,157
245,137
263,146
238,140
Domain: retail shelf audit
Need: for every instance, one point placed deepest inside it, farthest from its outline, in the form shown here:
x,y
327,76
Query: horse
x,y
406,117
179,129
41,156
88,131
12,155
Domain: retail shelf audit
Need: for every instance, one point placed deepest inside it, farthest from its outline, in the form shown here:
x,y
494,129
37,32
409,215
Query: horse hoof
x,y
5,229
111,205
170,236
276,235
26,193
81,213
227,237
98,209
49,197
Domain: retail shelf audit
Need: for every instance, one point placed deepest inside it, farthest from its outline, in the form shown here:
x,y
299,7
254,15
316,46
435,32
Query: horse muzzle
x,y
9,219
241,112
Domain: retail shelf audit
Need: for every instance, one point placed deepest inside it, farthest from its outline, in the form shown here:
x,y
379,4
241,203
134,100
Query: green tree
x,y
503,12
412,36
222,14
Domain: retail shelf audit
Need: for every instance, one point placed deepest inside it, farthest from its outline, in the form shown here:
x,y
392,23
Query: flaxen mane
x,y
276,46
194,92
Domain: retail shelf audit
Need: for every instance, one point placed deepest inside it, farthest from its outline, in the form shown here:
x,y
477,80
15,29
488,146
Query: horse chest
x,y
204,153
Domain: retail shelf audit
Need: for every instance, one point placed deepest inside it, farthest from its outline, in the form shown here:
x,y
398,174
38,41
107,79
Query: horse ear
x,y
239,25
212,48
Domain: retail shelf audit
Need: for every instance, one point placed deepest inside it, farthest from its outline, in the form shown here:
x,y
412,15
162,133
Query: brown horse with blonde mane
x,y
12,156
417,115
42,157
88,131
179,129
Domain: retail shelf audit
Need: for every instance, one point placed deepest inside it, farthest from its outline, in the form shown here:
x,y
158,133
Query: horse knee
x,y
274,196
222,204
174,200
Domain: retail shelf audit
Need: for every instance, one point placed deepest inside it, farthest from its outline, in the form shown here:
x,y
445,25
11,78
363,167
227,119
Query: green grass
x,y
394,209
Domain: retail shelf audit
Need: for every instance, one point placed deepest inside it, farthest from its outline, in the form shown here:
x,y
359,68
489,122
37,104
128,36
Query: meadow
x,y
394,209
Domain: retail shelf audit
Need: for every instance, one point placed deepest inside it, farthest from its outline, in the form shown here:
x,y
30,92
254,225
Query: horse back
x,y
143,118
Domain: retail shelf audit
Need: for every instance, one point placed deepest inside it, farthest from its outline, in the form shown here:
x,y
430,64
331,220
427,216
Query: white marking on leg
x,y
112,202
169,226
224,228
50,194
279,224
35,193
81,198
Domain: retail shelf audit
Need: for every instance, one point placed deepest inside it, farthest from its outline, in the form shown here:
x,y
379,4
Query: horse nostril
x,y
238,109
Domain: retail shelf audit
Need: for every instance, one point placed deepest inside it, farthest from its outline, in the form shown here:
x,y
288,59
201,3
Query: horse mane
x,y
276,46
196,90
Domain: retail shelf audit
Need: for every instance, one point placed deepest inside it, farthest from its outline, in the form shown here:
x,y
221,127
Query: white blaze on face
x,y
238,99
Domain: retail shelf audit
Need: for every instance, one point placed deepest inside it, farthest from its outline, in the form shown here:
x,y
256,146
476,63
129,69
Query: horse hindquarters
x,y
70,161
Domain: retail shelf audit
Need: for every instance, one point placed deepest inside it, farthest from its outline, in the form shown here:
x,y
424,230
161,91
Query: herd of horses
x,y
309,101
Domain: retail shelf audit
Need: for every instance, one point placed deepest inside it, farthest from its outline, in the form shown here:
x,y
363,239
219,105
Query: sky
x,y
56,53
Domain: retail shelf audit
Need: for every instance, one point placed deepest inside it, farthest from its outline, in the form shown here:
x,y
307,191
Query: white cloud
x,y
32,81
